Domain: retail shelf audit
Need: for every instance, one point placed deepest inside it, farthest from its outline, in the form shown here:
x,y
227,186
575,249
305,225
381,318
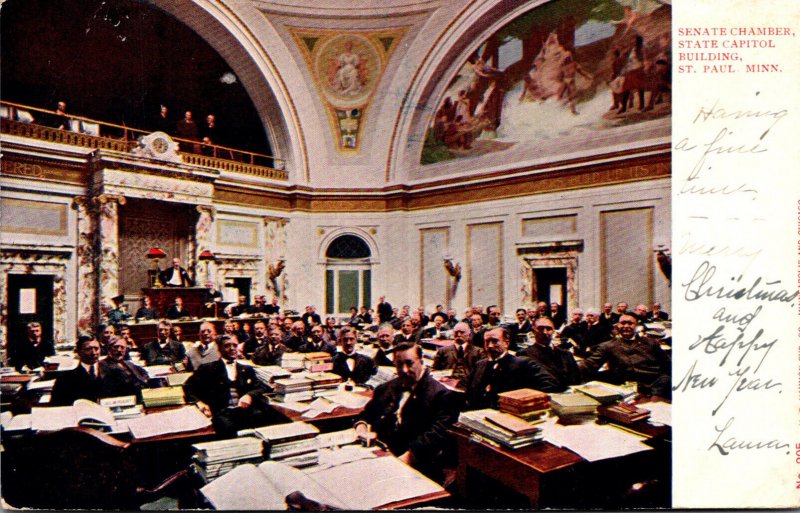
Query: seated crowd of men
x,y
410,413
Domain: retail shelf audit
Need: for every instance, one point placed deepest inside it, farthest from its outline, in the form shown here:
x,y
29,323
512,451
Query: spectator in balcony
x,y
210,130
61,118
187,129
163,121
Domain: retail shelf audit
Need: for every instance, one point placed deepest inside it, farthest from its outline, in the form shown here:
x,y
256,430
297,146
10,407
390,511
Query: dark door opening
x,y
30,299
551,285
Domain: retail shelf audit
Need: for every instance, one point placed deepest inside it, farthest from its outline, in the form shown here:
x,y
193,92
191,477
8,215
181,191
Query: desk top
x,y
339,413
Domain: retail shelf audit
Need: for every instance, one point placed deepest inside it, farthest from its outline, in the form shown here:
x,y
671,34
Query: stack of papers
x,y
295,444
384,374
593,441
660,413
81,413
573,404
180,420
500,428
293,361
602,392
324,384
164,396
293,389
269,373
213,459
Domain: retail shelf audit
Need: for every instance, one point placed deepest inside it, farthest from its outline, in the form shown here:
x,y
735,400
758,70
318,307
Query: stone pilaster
x,y
202,241
276,283
86,282
107,261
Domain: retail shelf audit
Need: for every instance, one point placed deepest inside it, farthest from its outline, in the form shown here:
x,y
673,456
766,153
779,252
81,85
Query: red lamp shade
x,y
156,253
205,256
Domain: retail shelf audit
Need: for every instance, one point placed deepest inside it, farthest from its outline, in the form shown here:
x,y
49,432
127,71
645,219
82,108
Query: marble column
x,y
86,282
202,241
108,250
276,283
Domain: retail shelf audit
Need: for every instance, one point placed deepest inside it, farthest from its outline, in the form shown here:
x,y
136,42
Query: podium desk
x,y
164,297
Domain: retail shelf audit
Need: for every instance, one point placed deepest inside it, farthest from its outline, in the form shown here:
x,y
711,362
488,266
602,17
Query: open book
x,y
81,413
248,487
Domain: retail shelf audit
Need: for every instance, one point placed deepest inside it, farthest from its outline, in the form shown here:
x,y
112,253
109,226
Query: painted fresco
x,y
565,68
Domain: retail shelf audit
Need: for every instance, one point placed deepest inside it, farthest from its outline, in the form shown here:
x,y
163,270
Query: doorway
x,y
551,285
30,299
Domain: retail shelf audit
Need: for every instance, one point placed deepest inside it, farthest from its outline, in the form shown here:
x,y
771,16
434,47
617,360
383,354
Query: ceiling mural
x,y
346,68
566,68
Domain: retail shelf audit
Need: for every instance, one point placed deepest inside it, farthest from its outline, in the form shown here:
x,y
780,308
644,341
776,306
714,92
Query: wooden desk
x,y
164,297
436,343
552,477
145,332
340,418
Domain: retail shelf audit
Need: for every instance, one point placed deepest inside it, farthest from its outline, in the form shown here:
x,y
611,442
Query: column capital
x,y
207,209
81,202
282,221
102,199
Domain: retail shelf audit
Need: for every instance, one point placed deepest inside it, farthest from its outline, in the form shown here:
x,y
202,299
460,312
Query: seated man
x,y
576,329
241,307
295,339
177,310
204,350
229,393
521,328
164,350
597,332
212,295
557,362
503,372
385,335
259,306
411,414
315,343
257,340
146,312
119,314
406,332
657,314
120,376
461,356
632,357
30,351
350,365
437,330
82,382
271,352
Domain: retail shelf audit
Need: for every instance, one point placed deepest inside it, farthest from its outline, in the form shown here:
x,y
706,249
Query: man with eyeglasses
x,y
461,356
557,362
632,357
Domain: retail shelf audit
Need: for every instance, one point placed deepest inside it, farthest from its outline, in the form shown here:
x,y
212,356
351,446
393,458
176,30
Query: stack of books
x,y
526,403
164,396
318,362
623,413
573,404
500,429
269,373
600,393
293,361
214,459
324,384
294,444
293,389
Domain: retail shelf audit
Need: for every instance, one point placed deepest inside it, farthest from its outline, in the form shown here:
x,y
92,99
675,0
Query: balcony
x,y
20,120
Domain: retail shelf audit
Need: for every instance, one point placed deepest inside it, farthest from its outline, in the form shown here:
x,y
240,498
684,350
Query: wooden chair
x,y
76,468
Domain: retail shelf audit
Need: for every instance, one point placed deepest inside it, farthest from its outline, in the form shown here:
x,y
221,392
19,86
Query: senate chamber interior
x,y
263,254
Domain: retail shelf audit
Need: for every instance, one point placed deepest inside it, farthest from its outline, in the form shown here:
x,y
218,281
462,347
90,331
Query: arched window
x,y
348,277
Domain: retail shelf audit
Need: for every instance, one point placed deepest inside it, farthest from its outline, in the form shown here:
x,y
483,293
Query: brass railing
x,y
20,120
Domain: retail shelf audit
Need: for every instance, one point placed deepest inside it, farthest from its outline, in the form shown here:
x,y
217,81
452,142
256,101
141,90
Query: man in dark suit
x,y
502,372
461,356
385,342
295,338
259,339
406,333
657,314
228,392
82,382
350,365
164,350
31,351
241,307
274,307
271,352
146,312
476,326
411,415
521,328
436,331
596,332
557,362
632,357
212,295
608,316
576,329
120,376
315,343
384,310
311,317
176,311
175,276
557,315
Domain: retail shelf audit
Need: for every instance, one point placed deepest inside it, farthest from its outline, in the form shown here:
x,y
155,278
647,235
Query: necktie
x,y
460,351
92,373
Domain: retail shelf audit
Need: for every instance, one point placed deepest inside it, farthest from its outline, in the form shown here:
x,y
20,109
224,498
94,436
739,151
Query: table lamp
x,y
155,254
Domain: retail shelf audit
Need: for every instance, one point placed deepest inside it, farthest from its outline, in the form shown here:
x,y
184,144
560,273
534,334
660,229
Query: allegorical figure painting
x,y
564,68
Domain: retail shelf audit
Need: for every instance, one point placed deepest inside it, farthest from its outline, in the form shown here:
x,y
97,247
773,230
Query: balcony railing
x,y
20,120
